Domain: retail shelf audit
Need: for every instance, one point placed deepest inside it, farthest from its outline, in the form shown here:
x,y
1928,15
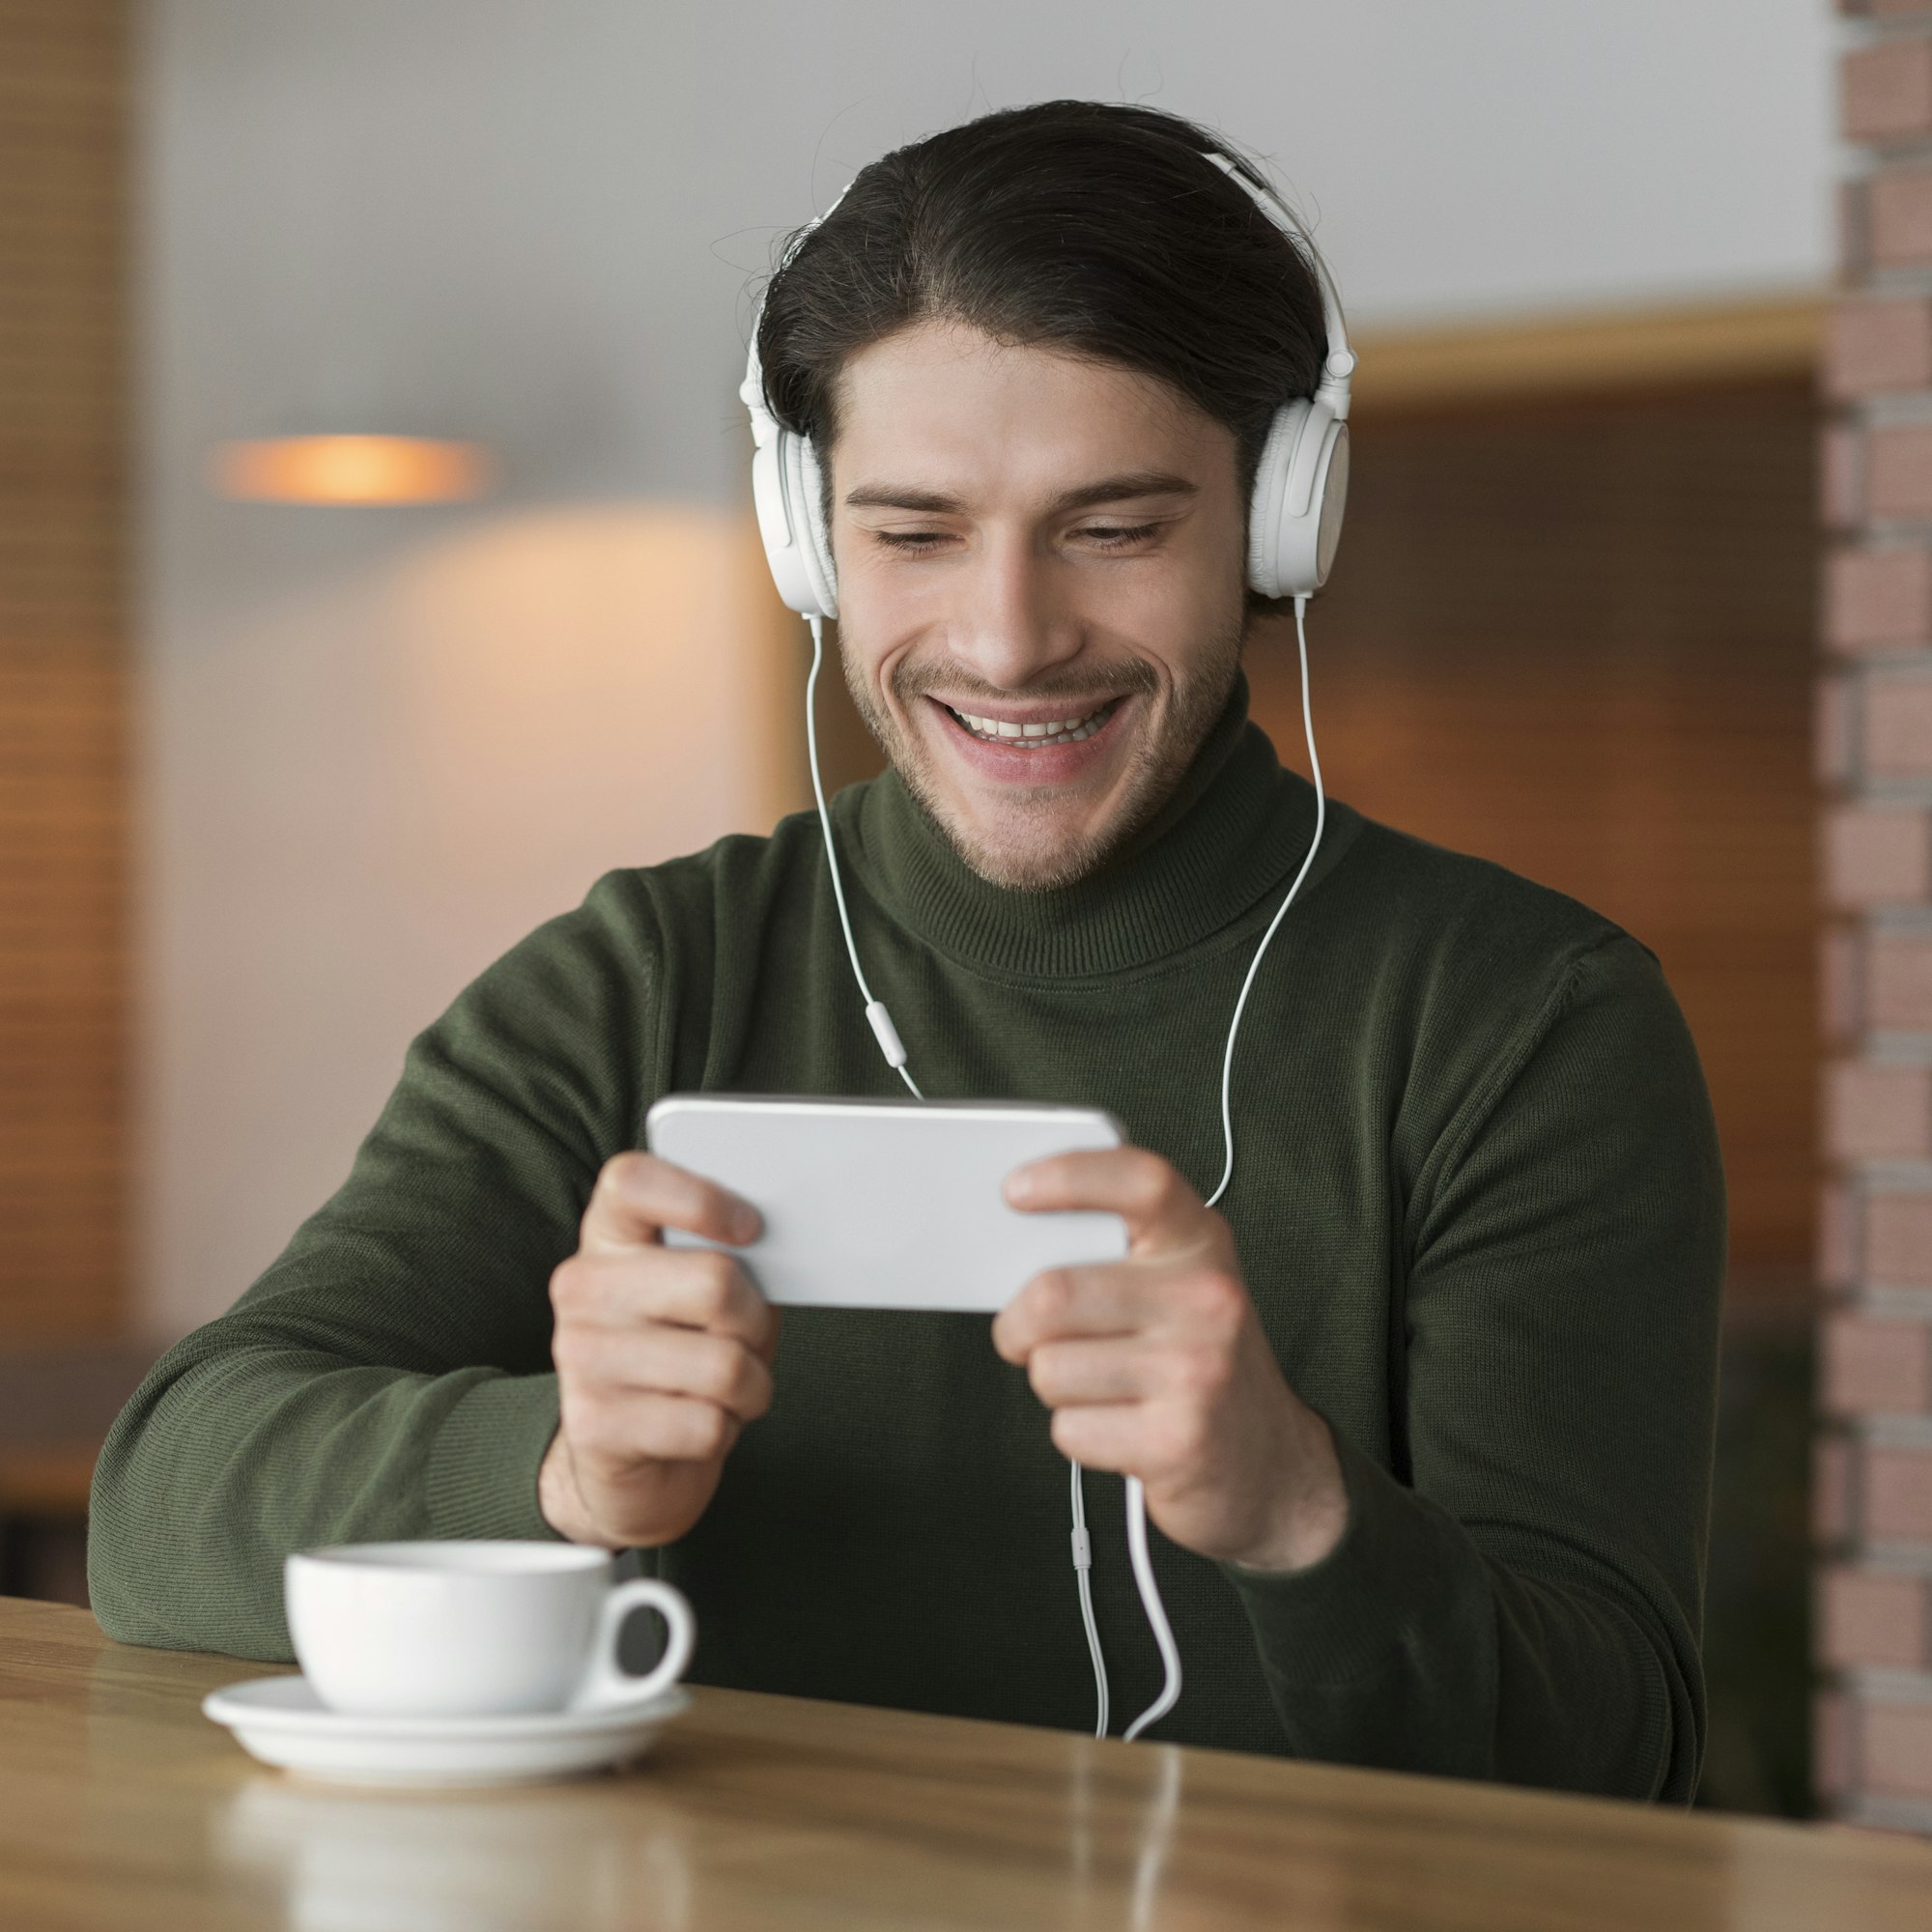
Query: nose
x,y
1012,621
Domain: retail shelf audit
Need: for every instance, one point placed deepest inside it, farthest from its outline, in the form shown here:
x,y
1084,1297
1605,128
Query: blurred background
x,y
296,735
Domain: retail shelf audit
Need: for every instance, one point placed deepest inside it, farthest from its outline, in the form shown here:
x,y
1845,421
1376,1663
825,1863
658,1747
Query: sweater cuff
x,y
484,1462
1402,1563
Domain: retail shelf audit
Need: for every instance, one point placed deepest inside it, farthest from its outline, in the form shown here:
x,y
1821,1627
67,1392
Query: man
x,y
1424,1414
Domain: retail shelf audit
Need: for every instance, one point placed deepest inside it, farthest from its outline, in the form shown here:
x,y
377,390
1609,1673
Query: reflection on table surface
x,y
479,1861
120,1806
344,1860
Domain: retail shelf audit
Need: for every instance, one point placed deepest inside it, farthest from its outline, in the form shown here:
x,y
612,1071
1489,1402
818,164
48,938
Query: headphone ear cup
x,y
814,539
773,496
1294,510
784,489
1269,495
1330,499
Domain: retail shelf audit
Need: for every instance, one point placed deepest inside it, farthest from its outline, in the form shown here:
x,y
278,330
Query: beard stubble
x,y
1157,761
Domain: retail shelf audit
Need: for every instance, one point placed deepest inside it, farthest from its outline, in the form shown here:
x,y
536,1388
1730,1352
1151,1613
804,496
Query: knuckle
x,y
620,1168
622,1176
1216,1300
1052,1295
710,1431
570,1354
1200,1369
623,1432
716,1282
592,1290
1177,1436
717,1371
1043,1373
568,1285
1151,1178
598,1437
743,1372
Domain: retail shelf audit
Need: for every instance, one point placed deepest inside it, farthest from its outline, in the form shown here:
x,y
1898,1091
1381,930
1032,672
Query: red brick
x,y
1895,725
1834,753
1841,974
1898,983
1896,1501
1898,209
1870,1620
1898,472
1895,1749
1841,476
1886,91
1878,343
1878,599
1875,855
1834,1511
1878,1113
1834,1743
1898,1239
1875,1367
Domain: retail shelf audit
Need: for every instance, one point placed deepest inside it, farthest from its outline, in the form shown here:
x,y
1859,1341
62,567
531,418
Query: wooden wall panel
x,y
1578,640
63,667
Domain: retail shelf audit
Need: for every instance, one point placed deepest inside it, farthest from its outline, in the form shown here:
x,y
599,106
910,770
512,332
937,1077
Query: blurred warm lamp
x,y
351,470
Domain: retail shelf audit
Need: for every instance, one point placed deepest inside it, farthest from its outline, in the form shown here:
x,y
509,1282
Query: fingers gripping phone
x,y
888,1203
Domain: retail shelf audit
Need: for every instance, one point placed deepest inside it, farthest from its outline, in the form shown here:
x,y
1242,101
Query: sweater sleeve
x,y
1529,1605
389,1377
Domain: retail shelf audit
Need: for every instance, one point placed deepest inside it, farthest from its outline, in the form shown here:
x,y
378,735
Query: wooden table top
x,y
121,1806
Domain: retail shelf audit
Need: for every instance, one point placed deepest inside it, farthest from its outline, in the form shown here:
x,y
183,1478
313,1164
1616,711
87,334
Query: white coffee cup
x,y
473,1628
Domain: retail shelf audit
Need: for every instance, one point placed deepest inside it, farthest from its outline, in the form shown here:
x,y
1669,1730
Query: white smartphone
x,y
888,1203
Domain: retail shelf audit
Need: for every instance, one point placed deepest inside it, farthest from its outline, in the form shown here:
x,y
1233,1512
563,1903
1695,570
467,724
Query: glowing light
x,y
351,470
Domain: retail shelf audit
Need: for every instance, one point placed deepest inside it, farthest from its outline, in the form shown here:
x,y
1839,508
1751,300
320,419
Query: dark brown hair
x,y
1098,229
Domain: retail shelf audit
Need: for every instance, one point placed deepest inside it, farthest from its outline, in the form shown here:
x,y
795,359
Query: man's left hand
x,y
1156,1367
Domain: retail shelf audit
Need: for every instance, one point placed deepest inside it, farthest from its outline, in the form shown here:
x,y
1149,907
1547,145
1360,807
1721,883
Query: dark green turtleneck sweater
x,y
1477,1199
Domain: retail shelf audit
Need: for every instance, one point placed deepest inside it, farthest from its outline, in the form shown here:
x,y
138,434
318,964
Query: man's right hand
x,y
663,1355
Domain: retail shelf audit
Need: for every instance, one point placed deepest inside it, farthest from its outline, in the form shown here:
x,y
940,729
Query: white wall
x,y
379,744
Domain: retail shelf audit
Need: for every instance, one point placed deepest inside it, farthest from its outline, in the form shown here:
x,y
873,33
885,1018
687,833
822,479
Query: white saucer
x,y
280,1720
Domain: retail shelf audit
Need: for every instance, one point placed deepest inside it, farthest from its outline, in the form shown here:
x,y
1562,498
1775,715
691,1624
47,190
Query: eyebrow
x,y
1109,490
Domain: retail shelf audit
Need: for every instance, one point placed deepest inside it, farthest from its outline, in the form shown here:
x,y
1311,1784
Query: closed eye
x,y
1108,536
1118,536
910,539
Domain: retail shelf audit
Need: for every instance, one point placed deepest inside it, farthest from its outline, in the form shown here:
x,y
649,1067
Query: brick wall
x,y
1873,1505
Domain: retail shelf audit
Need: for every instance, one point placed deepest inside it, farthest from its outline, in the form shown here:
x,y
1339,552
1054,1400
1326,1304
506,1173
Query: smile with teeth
x,y
1033,737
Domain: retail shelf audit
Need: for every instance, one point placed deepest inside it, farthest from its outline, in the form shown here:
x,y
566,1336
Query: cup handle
x,y
605,1683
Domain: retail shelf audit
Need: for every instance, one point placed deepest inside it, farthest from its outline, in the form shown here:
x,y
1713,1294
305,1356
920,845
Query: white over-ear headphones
x,y
1294,515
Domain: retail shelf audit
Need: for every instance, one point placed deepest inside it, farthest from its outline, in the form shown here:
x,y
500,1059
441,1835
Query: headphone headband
x,y
1338,363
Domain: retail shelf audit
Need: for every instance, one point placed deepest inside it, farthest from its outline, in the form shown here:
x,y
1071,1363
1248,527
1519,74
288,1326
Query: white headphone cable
x,y
1082,1565
1314,846
883,1030
895,1055
1137,1539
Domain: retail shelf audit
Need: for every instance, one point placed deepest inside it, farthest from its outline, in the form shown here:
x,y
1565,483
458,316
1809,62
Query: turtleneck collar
x,y
1235,828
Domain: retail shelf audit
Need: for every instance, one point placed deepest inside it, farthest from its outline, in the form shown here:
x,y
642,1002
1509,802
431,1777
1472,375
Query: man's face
x,y
1040,589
